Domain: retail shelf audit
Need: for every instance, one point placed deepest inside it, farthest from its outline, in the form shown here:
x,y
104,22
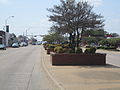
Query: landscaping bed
x,y
78,59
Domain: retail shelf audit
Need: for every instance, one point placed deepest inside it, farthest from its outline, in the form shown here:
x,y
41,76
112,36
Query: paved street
x,y
20,69
113,57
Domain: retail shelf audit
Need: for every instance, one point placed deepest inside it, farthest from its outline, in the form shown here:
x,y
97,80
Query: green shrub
x,y
70,50
58,45
51,46
105,47
65,45
111,47
78,50
88,46
58,50
87,50
65,50
101,47
90,50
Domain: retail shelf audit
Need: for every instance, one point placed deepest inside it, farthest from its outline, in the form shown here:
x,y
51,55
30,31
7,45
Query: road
x,y
21,69
113,57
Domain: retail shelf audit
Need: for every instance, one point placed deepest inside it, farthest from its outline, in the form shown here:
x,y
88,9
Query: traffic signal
x,y
7,28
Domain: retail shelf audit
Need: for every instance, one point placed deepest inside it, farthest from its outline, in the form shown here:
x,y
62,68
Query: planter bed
x,y
78,59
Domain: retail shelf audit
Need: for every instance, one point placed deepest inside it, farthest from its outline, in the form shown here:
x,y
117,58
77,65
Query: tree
x,y
110,42
54,38
74,18
94,33
90,40
114,34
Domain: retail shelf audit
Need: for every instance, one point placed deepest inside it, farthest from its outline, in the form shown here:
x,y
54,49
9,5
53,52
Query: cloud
x,y
94,2
3,1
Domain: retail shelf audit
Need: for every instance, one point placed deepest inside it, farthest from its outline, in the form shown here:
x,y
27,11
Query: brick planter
x,y
78,59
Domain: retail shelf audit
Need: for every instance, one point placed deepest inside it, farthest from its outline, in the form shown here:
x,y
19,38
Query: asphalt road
x,y
113,57
21,69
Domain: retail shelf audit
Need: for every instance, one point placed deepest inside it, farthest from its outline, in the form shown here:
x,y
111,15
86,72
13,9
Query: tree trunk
x,y
73,41
81,37
70,40
78,39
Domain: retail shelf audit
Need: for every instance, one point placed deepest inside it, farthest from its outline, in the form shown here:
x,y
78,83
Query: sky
x,y
31,15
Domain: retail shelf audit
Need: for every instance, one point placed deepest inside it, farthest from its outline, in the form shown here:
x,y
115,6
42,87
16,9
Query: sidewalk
x,y
83,77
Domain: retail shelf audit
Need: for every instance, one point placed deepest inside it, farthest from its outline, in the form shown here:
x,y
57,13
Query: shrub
x,y
87,50
70,50
51,46
65,50
101,47
111,47
65,45
105,47
78,50
58,50
58,45
90,50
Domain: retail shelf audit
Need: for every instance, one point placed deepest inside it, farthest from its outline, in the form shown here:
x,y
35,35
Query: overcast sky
x,y
32,15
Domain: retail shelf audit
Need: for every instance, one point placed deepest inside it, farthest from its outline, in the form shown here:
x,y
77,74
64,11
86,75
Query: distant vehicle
x,y
38,43
33,43
2,46
15,45
23,44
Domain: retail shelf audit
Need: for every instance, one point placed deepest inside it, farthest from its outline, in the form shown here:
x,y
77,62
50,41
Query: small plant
x,y
65,45
51,46
65,50
90,50
70,50
58,50
78,50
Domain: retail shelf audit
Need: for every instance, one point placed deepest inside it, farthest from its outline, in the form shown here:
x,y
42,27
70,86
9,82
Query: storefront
x,y
2,37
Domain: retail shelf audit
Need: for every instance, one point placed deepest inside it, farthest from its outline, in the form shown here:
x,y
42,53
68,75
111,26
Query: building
x,y
7,34
2,37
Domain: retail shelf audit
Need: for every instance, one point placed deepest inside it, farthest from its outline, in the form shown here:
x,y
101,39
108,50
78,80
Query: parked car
x,y
23,44
38,43
2,46
34,43
15,45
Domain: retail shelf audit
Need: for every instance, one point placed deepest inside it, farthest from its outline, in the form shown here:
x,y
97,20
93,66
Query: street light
x,y
8,19
6,26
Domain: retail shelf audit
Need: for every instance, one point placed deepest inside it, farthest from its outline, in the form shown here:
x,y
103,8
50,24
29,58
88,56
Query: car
x,y
39,43
23,44
33,43
2,46
15,45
